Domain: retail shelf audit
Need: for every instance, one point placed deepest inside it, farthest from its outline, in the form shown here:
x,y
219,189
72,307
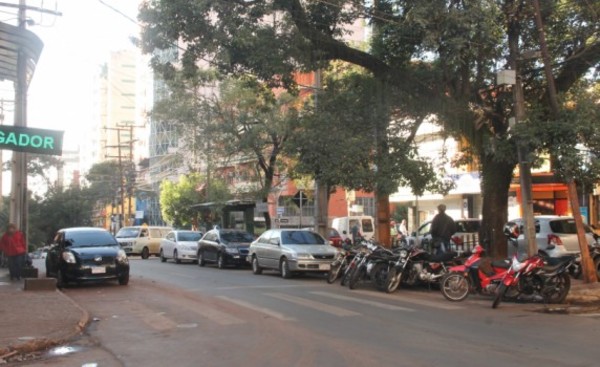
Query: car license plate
x,y
99,270
324,267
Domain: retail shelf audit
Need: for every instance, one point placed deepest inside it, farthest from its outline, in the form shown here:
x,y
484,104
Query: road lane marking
x,y
268,286
218,317
259,309
319,306
421,302
364,301
152,318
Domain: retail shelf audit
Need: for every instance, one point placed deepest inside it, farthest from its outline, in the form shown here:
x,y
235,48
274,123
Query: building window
x,y
368,205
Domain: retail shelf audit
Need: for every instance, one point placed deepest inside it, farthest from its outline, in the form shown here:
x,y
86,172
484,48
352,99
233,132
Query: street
x,y
191,316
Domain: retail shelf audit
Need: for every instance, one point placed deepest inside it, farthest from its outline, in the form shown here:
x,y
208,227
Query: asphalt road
x,y
184,315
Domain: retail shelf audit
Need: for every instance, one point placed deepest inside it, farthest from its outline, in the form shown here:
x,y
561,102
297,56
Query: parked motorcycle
x,y
341,262
537,278
415,265
367,261
473,277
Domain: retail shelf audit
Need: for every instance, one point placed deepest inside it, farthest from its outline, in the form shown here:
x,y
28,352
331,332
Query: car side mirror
x,y
344,232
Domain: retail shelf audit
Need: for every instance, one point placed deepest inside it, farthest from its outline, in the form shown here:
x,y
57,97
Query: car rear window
x,y
468,226
564,226
301,238
237,237
189,236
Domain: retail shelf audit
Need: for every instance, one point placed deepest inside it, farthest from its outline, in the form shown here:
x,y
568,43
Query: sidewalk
x,y
35,320
583,298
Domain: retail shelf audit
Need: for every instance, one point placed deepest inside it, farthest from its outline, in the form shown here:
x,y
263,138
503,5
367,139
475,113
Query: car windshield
x,y
128,233
189,236
243,237
301,238
89,239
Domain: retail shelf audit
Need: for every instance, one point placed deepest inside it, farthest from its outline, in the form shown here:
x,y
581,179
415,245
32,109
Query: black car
x,y
224,247
85,254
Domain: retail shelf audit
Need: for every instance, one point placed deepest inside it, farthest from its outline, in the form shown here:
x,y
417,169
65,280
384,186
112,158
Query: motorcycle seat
x,y
442,258
502,264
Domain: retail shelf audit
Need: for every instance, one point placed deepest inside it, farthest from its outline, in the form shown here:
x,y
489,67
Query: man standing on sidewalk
x,y
14,247
442,229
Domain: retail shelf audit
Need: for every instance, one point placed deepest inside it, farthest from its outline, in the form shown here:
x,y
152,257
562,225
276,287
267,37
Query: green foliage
x,y
72,207
177,198
104,180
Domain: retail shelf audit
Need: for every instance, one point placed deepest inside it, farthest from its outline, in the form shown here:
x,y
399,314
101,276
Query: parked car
x,y
142,240
467,231
555,235
224,247
291,251
180,246
86,254
334,237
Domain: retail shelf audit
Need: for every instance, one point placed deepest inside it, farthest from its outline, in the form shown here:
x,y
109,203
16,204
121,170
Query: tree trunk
x,y
495,183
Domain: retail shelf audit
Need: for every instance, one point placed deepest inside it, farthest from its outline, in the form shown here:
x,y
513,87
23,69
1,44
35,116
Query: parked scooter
x,y
473,277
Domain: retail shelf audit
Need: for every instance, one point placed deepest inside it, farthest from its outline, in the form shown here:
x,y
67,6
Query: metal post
x,y
18,209
523,154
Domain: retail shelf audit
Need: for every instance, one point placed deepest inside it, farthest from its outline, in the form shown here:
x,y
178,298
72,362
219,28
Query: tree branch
x,y
577,65
334,49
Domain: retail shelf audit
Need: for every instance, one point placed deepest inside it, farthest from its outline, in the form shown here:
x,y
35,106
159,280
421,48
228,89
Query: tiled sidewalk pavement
x,y
35,320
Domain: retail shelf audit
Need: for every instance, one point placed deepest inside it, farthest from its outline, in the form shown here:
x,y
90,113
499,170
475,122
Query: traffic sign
x,y
300,198
280,210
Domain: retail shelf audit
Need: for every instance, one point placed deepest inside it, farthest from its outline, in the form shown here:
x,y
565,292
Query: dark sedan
x,y
86,254
224,247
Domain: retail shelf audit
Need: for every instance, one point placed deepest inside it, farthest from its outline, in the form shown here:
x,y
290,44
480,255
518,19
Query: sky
x,y
61,94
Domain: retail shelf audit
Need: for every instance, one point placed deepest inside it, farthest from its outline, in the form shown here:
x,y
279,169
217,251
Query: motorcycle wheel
x,y
560,289
499,295
379,276
357,275
392,281
334,273
454,287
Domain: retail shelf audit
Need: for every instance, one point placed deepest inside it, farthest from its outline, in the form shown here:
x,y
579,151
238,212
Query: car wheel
x,y
221,261
124,279
162,257
284,267
176,257
201,261
256,269
145,253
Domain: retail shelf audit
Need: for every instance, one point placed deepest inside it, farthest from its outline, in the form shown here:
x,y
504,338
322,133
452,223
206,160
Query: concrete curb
x,y
45,343
569,309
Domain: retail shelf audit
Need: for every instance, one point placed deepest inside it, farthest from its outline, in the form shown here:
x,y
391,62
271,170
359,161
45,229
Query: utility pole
x,y
589,271
522,150
18,208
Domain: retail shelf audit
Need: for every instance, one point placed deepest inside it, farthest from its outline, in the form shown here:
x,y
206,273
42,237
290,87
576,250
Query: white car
x,y
555,235
180,246
465,238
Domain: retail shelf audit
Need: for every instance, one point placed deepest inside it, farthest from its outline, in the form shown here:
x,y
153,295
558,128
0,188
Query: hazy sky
x,y
75,45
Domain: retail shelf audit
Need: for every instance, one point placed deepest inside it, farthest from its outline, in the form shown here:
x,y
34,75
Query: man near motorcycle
x,y
442,229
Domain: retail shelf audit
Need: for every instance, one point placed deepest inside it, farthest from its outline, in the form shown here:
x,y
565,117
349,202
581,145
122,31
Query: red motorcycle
x,y
472,278
537,278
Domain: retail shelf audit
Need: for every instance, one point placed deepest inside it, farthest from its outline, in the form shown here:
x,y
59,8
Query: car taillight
x,y
554,240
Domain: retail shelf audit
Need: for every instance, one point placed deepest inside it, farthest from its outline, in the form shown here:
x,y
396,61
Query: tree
x,y
177,198
242,120
439,56
104,180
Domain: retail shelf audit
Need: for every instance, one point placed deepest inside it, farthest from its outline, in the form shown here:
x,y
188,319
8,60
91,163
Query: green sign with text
x,y
31,140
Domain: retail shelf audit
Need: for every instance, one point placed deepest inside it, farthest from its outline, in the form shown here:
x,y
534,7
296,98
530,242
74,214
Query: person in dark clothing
x,y
442,229
13,245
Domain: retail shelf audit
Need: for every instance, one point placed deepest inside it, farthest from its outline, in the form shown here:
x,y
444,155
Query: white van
x,y
365,224
142,240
